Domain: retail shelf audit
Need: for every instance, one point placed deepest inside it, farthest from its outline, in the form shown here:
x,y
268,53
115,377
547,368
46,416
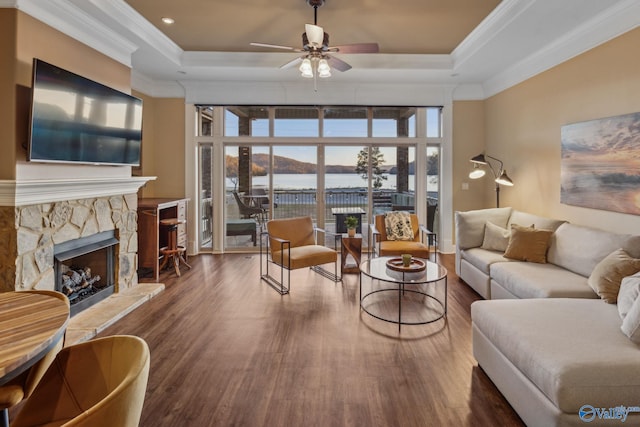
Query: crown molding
x,y
612,23
70,20
132,21
488,29
32,192
156,88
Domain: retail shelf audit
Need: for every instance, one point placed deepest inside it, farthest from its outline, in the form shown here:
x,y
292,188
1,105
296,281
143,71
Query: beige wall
x,y
163,146
523,124
7,91
24,38
468,141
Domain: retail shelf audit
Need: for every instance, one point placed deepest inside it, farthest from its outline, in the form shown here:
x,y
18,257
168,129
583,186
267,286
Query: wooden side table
x,y
351,246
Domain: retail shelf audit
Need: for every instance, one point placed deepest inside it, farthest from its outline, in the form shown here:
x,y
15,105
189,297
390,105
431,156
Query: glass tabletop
x,y
376,268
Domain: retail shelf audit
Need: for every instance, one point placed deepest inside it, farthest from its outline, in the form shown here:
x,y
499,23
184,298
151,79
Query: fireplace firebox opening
x,y
85,269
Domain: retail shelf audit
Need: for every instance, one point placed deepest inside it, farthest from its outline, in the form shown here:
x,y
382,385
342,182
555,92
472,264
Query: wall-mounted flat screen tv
x,y
74,119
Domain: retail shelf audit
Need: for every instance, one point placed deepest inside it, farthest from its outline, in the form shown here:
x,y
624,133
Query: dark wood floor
x,y
227,350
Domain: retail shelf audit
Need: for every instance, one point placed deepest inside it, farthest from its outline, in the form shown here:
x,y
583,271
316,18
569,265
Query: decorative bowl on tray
x,y
416,265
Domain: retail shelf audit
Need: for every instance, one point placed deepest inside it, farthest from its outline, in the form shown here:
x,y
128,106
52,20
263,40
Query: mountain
x,y
288,165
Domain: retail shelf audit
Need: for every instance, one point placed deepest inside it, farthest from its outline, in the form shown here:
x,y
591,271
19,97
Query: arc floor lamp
x,y
500,174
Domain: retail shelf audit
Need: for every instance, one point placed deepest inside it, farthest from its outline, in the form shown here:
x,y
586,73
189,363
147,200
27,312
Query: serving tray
x,y
395,264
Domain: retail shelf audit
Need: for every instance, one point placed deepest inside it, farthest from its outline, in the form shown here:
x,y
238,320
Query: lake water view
x,y
332,180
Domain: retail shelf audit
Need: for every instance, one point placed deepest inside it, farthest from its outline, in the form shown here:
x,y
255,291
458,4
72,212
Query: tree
x,y
377,160
433,164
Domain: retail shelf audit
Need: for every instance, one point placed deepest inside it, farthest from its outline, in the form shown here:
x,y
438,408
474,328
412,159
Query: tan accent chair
x,y
98,383
22,386
292,243
383,247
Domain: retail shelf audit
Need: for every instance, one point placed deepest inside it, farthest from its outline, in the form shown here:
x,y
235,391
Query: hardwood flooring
x,y
227,350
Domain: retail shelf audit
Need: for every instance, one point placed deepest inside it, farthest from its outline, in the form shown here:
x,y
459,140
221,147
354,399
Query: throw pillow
x,y
528,244
629,291
631,322
398,225
606,277
496,238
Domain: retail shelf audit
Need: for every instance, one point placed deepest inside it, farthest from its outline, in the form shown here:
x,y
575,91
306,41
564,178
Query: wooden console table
x,y
150,239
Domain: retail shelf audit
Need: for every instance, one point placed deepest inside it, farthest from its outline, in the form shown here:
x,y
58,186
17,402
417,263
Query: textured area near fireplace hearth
x,y
90,322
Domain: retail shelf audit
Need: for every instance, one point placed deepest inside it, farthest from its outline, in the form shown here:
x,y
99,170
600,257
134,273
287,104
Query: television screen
x,y
74,119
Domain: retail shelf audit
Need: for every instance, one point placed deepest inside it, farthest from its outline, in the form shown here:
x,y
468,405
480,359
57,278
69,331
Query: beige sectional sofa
x,y
557,352
573,253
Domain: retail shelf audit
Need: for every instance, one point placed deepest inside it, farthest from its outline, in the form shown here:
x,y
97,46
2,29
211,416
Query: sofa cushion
x,y
540,222
526,280
470,225
496,238
580,249
482,258
528,244
632,246
571,349
608,274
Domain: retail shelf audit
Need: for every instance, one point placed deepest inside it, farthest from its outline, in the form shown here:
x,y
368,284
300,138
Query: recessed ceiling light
x,y
168,21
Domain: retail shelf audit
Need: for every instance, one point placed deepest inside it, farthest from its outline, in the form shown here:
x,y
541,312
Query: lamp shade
x,y
479,159
323,69
504,179
306,69
477,172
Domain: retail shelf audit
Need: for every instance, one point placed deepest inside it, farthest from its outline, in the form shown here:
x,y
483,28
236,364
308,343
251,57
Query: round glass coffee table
x,y
416,290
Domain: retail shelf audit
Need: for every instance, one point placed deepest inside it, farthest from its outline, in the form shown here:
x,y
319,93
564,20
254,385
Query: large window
x,y
287,161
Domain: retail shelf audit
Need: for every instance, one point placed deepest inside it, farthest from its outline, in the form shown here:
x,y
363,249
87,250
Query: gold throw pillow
x,y
528,244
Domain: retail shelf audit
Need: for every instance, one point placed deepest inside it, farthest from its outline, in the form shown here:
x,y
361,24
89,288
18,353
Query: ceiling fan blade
x,y
292,63
273,46
337,64
356,48
315,34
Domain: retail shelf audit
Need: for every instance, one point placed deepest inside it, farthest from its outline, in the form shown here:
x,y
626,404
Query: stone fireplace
x,y
41,218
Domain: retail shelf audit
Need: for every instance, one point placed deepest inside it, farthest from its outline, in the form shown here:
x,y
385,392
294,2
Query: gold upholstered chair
x,y
383,245
98,383
292,243
22,386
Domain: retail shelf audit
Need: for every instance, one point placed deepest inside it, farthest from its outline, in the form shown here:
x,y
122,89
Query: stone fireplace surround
x,y
35,215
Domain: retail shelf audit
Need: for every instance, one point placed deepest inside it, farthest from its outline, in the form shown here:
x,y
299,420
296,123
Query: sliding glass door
x,y
247,202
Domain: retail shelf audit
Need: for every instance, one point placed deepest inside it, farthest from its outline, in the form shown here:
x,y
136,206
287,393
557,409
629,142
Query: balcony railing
x,y
293,203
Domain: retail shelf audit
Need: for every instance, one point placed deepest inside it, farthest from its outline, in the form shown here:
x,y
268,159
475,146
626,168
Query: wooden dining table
x,y
30,325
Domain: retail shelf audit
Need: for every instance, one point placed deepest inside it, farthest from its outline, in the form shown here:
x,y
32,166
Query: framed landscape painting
x,y
600,165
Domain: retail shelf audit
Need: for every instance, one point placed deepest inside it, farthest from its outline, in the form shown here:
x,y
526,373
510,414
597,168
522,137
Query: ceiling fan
x,y
317,54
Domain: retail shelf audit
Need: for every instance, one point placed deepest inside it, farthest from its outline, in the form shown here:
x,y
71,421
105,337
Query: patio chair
x,y
247,212
291,244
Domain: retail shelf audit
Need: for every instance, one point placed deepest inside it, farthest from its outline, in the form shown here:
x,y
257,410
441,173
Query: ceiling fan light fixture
x,y
306,69
323,69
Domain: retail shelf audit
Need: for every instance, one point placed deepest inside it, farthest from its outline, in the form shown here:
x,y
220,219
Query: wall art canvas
x,y
600,166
